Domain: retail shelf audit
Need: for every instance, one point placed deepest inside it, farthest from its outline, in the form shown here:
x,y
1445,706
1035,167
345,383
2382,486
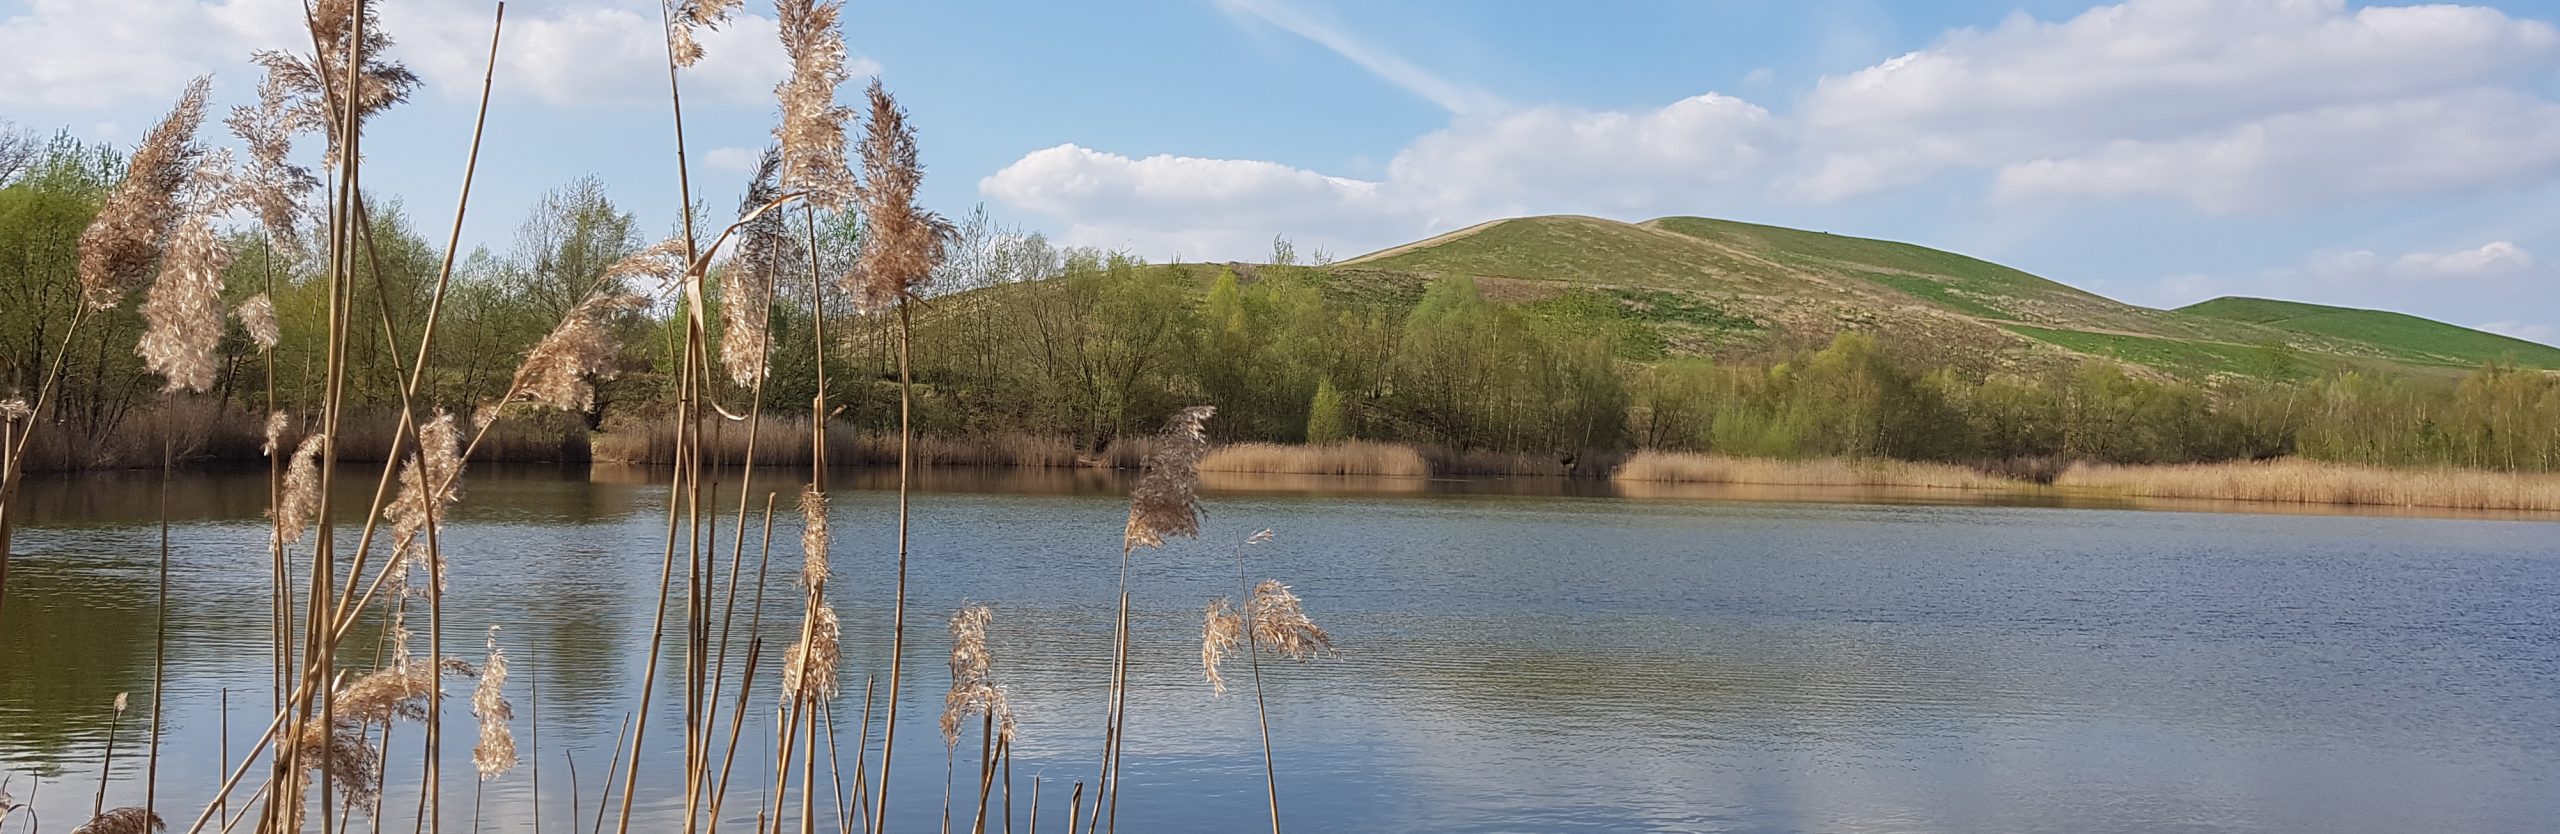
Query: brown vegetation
x,y
2309,482
1681,467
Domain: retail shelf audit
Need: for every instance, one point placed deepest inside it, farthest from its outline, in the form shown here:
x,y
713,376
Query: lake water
x,y
1514,656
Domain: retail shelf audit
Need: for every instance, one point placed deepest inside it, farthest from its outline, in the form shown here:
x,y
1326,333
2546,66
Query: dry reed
x,y
813,539
122,821
809,665
902,244
556,372
2311,482
1349,458
272,183
1682,467
316,85
812,130
973,690
258,318
496,752
182,315
685,17
1280,623
1167,499
1221,631
120,248
430,482
765,251
300,505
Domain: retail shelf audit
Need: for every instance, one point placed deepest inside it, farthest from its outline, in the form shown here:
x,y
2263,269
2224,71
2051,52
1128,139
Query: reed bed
x,y
653,443
200,431
1348,458
2311,482
1685,467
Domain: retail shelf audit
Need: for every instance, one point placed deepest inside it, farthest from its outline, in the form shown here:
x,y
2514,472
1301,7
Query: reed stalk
x,y
107,765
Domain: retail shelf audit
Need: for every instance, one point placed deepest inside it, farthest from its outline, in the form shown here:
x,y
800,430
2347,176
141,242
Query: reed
x,y
1683,467
1347,458
1165,503
2294,481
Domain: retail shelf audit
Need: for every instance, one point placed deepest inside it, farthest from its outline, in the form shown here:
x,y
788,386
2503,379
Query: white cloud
x,y
98,52
2170,80
1450,95
2494,259
2462,140
1694,153
2222,105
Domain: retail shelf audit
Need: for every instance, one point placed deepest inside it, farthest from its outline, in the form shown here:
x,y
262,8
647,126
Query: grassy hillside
x,y
2408,337
1701,287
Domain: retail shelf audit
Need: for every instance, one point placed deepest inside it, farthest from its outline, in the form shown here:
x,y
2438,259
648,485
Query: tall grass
x,y
2311,482
1685,467
1348,458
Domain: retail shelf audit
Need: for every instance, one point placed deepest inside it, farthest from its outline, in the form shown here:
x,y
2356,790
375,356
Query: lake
x,y
1514,655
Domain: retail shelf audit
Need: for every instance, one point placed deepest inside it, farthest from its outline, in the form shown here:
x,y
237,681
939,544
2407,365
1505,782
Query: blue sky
x,y
2157,151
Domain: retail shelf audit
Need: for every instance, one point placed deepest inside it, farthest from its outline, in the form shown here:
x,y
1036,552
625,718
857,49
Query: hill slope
x,y
1697,286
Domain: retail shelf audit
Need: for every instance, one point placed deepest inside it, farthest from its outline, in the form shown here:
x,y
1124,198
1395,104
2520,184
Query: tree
x,y
1327,420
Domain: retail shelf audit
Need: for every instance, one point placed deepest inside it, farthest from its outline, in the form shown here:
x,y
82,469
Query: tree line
x,y
1016,336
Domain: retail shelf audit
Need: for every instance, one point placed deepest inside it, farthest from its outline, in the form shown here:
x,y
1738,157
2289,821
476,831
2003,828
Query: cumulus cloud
x,y
2461,140
1548,160
2226,106
2157,76
2494,259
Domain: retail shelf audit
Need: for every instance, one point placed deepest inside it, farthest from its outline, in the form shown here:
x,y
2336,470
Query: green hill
x,y
1689,286
2409,337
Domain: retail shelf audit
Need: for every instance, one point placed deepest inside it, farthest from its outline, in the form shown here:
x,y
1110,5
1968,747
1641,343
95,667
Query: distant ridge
x,y
1694,286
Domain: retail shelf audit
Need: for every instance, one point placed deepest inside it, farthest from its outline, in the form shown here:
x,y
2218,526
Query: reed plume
x,y
973,690
813,539
1280,624
1166,502
556,372
812,130
901,244
258,317
809,666
430,482
14,409
765,250
273,184
120,248
300,505
496,753
276,422
122,821
182,316
688,15
315,85
1221,630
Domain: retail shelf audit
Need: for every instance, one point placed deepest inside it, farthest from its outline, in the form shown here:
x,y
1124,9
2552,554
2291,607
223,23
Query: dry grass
x,y
2311,482
1351,458
1681,467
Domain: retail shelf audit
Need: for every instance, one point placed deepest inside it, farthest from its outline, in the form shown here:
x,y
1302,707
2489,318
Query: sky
x,y
2161,152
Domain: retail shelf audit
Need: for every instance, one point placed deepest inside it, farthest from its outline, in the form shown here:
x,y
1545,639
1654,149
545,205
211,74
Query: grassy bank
x,y
2312,482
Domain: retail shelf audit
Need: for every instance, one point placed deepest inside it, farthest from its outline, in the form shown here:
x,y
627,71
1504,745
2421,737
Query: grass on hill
x,y
2399,335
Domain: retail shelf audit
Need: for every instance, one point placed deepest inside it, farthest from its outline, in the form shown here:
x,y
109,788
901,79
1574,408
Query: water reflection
x,y
1520,654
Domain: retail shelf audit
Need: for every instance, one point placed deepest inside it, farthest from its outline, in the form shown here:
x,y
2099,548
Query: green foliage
x,y
1327,421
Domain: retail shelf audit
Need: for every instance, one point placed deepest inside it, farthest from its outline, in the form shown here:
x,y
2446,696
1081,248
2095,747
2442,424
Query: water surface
x,y
1522,655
